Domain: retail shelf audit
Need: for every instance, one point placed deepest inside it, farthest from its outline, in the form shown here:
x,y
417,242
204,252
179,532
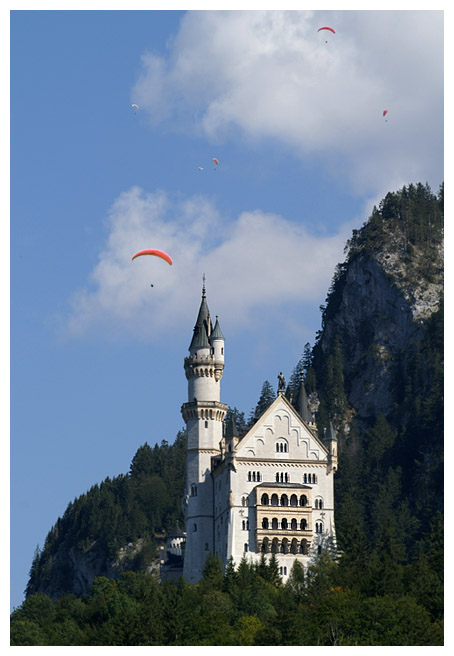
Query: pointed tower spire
x,y
203,327
302,403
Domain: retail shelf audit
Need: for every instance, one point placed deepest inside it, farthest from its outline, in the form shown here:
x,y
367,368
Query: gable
x,y
281,425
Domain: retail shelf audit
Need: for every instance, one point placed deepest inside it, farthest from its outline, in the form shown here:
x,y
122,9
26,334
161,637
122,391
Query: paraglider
x,y
135,107
330,29
215,161
200,168
385,111
156,253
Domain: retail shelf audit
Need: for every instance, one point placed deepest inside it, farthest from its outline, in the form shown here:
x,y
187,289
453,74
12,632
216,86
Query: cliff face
x,y
377,317
378,306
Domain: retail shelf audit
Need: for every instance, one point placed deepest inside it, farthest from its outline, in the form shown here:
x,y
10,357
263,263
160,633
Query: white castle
x,y
268,491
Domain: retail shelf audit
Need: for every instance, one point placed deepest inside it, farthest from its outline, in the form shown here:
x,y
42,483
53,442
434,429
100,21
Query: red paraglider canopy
x,y
326,28
385,111
153,251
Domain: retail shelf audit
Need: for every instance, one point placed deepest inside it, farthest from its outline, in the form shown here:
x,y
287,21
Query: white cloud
x,y
257,262
270,74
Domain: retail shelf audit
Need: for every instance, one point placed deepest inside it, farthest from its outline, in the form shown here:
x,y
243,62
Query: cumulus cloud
x,y
256,262
270,74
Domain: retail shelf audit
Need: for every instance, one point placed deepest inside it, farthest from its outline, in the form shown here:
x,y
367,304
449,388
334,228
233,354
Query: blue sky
x,y
304,153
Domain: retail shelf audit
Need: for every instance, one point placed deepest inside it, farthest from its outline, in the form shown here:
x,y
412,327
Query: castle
x,y
268,491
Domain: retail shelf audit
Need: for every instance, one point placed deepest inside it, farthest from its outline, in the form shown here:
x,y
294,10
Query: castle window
x,y
284,500
206,546
194,527
193,490
274,523
265,545
293,500
303,525
277,478
303,547
259,477
318,527
319,549
249,476
274,500
303,500
245,547
265,522
284,524
206,424
294,546
294,524
305,478
265,500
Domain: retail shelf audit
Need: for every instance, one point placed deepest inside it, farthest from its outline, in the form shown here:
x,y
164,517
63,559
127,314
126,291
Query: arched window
x,y
294,524
249,476
284,500
303,547
253,476
265,545
259,477
265,522
318,527
284,524
245,547
294,546
194,527
275,546
284,546
305,478
277,447
277,478
303,524
265,500
274,523
286,477
303,500
244,525
293,500
274,500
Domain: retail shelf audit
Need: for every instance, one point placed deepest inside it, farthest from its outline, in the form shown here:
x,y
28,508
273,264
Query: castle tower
x,y
204,415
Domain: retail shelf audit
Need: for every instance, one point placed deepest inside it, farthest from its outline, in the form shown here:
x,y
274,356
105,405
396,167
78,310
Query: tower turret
x,y
204,415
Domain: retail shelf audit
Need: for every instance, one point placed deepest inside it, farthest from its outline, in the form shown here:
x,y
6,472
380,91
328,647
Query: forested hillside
x,y
376,372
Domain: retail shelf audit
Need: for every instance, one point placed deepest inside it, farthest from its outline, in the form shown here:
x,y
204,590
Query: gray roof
x,y
302,403
217,332
330,434
203,327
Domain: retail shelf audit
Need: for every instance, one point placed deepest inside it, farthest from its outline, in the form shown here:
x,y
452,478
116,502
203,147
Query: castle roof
x,y
302,404
217,332
203,327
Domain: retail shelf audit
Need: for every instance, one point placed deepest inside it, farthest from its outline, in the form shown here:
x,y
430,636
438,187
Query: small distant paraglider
x,y
216,161
135,107
330,29
385,111
200,168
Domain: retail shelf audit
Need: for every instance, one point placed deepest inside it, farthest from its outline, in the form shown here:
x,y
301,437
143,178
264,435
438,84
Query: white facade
x,y
270,491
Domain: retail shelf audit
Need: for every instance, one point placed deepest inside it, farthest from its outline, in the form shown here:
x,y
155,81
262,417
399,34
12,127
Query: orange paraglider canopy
x,y
156,253
215,160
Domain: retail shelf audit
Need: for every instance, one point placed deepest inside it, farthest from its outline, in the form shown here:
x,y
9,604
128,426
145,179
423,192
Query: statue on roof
x,y
281,382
